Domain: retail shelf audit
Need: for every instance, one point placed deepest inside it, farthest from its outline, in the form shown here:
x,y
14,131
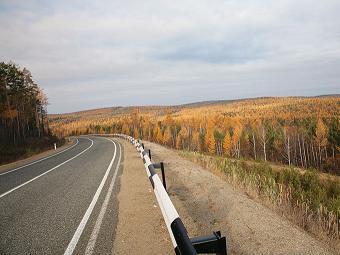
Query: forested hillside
x,y
23,114
295,131
242,139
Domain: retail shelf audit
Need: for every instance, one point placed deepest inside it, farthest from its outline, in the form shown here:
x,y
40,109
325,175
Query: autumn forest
x,y
23,114
294,131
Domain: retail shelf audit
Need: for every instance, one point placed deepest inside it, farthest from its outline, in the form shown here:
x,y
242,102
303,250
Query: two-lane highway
x,y
62,204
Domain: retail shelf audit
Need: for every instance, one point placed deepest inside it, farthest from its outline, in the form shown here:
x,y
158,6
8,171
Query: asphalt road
x,y
64,204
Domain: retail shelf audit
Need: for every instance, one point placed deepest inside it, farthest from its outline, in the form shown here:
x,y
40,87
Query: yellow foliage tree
x,y
182,138
227,144
236,138
209,137
196,140
147,129
136,133
321,137
125,129
211,143
168,120
158,135
321,133
167,136
179,142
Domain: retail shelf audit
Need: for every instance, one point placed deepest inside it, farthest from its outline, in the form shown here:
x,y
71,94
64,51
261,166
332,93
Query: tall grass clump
x,y
304,197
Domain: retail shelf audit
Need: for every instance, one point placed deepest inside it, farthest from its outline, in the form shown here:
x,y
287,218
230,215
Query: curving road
x,y
62,204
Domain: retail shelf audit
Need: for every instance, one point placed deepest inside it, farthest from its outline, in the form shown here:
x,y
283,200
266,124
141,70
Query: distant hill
x,y
329,95
159,110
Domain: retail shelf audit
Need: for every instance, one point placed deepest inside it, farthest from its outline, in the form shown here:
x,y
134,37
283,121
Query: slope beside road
x,y
62,205
207,203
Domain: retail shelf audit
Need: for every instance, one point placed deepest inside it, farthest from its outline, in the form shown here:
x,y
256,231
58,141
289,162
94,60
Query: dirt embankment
x,y
141,228
207,203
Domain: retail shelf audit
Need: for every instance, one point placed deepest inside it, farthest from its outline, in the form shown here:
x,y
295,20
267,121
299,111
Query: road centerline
x,y
95,232
74,241
50,170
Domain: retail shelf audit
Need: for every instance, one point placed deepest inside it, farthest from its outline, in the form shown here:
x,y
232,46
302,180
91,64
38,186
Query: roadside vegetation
x,y
305,197
24,129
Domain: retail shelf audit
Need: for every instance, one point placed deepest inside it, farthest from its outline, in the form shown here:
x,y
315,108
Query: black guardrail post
x,y
163,175
161,166
149,154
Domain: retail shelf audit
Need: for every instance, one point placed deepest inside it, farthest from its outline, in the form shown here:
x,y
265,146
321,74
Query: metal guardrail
x,y
179,236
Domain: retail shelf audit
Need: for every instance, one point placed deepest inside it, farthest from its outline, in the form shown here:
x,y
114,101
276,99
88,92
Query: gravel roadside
x,y
207,203
140,228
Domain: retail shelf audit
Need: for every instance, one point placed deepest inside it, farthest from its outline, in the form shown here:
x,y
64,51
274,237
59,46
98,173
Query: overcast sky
x,y
90,54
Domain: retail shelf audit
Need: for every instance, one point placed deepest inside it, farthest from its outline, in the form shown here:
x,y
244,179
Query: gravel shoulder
x,y
28,160
140,228
207,203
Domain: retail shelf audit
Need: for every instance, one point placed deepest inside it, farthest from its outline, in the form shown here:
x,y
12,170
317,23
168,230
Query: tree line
x,y
304,143
296,132
23,107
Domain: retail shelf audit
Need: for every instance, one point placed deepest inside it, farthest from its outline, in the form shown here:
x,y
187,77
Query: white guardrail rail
x,y
182,244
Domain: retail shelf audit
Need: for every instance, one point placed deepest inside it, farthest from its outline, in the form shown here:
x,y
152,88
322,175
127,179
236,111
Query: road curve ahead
x,y
64,204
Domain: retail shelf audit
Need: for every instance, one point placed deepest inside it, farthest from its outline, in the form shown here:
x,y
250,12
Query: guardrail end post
x,y
214,243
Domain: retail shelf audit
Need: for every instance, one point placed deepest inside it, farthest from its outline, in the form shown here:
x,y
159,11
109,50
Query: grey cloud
x,y
229,50
102,53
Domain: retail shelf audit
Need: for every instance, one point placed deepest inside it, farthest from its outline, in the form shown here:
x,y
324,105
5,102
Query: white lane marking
x,y
27,182
42,159
95,232
72,245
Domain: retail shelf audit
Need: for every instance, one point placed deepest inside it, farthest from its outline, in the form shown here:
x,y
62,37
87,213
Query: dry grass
x,y
284,192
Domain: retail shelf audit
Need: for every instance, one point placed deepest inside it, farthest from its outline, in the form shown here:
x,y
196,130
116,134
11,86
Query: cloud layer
x,y
88,54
